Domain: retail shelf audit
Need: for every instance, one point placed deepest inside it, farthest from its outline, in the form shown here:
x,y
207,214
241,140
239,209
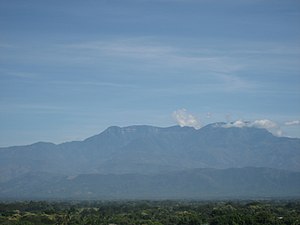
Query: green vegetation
x,y
151,213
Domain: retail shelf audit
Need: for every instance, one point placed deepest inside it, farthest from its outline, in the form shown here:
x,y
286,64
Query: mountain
x,y
146,153
202,184
147,149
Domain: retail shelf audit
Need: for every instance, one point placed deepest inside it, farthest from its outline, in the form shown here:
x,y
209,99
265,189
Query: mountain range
x,y
152,162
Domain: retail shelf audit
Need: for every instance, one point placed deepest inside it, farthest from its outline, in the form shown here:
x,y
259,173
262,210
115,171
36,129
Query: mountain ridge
x,y
155,156
149,127
151,149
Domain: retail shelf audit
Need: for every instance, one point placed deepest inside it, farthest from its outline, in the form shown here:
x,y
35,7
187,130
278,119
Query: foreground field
x,y
151,212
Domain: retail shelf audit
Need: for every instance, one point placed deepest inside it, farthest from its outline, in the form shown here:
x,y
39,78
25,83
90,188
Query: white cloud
x,y
292,123
267,124
183,118
239,123
271,126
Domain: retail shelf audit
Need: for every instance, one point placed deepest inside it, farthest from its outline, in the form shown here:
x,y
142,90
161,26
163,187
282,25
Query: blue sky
x,y
69,69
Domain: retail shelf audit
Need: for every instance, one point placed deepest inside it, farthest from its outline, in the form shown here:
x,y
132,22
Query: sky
x,y
70,69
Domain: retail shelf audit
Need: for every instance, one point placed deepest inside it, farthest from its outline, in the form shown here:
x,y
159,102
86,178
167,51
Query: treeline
x,y
151,213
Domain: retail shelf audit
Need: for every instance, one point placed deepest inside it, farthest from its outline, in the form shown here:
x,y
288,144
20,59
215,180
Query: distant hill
x,y
238,183
145,151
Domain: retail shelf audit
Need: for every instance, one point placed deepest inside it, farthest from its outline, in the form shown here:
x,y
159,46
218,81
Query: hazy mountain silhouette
x,y
148,152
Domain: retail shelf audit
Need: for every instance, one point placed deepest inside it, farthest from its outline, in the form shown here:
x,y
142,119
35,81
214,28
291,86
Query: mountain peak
x,y
112,129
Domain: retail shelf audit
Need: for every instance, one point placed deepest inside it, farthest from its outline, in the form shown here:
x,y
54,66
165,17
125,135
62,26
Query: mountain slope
x,y
150,150
191,184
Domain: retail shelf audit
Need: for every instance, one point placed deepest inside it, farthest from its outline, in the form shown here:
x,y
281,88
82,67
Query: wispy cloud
x,y
211,68
137,48
155,52
218,72
292,123
186,119
209,115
